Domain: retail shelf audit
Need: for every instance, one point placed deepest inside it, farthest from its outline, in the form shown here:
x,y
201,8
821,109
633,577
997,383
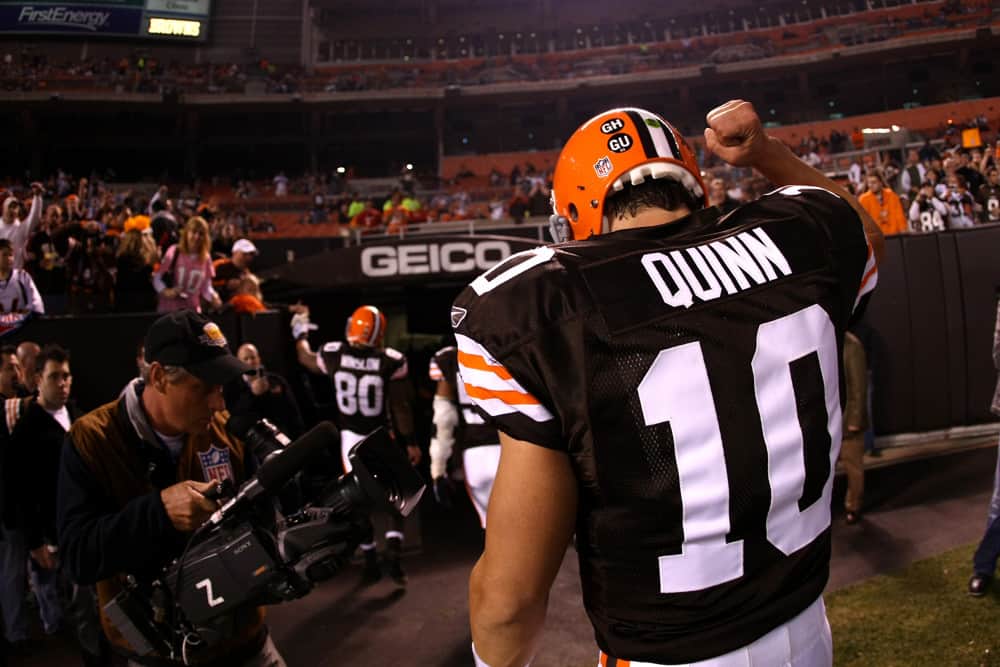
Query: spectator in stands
x,y
517,207
281,185
968,170
855,177
883,205
263,394
222,242
539,199
184,277
369,218
137,256
989,195
718,195
928,153
27,354
18,293
927,212
394,202
396,220
34,451
18,230
163,225
45,259
961,205
984,562
855,416
857,139
247,299
89,272
74,210
356,206
10,373
230,271
912,176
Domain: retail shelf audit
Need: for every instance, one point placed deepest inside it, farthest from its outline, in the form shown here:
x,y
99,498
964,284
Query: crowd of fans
x,y
85,248
694,41
82,245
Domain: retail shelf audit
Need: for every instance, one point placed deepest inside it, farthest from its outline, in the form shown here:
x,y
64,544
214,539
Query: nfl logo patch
x,y
603,167
216,466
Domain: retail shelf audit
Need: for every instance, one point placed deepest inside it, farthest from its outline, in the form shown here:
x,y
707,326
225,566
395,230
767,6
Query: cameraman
x,y
134,474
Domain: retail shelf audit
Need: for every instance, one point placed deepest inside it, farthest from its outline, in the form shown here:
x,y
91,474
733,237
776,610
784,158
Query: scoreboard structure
x,y
180,20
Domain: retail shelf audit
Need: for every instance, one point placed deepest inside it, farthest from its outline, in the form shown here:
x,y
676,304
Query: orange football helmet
x,y
366,327
613,149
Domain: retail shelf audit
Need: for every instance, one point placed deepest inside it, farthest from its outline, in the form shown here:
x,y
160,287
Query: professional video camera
x,y
248,554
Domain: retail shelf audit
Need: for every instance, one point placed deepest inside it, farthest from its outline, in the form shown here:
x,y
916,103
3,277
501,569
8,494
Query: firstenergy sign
x,y
428,258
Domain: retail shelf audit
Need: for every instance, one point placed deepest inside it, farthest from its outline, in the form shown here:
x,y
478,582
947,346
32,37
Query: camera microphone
x,y
279,468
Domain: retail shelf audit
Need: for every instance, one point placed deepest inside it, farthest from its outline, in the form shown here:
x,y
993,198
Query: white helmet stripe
x,y
376,326
658,133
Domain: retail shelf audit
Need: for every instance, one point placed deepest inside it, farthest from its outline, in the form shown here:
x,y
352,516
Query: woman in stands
x,y
184,277
137,255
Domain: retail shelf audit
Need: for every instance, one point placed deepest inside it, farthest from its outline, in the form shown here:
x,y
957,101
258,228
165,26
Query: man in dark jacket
x,y
32,473
262,394
135,474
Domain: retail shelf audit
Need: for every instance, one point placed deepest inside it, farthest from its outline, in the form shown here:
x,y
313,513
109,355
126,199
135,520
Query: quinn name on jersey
x,y
704,432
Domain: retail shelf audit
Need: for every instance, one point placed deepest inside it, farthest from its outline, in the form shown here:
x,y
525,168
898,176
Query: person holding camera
x,y
137,477
263,395
927,212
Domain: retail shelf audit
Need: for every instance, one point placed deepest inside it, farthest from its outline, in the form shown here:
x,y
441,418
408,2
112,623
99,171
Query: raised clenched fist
x,y
735,134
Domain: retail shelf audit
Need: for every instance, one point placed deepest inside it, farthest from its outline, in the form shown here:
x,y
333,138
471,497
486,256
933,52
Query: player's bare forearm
x,y
530,520
506,627
736,134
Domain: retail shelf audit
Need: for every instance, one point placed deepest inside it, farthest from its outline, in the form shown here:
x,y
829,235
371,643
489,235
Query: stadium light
x,y
409,166
341,170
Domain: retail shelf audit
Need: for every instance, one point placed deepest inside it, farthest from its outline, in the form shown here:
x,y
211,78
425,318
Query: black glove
x,y
443,492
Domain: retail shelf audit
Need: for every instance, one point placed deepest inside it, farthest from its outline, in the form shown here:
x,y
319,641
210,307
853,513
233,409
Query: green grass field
x,y
920,615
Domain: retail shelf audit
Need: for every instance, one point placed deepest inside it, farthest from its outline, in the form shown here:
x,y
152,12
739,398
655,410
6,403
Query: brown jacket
x,y
111,449
856,384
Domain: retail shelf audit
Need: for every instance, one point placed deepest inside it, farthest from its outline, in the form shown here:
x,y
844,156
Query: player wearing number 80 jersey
x,y
669,390
366,379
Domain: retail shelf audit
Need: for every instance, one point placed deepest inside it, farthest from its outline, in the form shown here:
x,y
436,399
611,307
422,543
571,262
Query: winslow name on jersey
x,y
692,373
361,378
473,430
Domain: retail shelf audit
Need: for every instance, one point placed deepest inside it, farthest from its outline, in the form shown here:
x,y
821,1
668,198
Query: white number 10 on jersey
x,y
676,389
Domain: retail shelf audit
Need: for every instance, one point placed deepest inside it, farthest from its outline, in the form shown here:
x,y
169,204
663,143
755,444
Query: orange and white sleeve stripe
x,y
870,276
434,372
490,385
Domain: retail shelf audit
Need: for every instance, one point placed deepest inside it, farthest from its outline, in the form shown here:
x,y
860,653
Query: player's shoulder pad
x,y
394,354
518,296
813,197
332,346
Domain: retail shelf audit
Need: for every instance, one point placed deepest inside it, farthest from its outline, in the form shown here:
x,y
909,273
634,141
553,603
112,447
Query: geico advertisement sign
x,y
421,258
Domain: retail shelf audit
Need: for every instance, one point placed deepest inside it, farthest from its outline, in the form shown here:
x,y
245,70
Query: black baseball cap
x,y
187,339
